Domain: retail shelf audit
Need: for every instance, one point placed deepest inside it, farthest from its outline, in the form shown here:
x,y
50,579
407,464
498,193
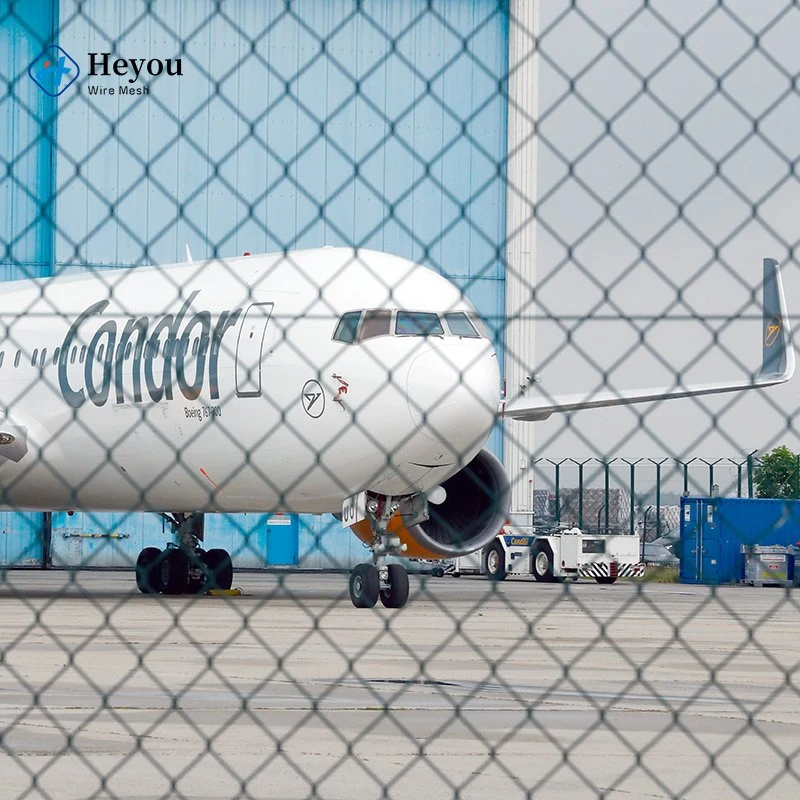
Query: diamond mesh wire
x,y
601,182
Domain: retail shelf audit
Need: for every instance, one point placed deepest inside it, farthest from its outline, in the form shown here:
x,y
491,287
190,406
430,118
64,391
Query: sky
x,y
668,141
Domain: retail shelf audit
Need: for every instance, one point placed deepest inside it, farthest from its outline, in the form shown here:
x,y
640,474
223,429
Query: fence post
x,y
632,465
710,465
658,494
738,478
685,465
750,472
606,490
580,488
557,465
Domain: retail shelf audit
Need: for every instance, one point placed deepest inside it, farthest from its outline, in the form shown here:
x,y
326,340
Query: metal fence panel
x,y
485,217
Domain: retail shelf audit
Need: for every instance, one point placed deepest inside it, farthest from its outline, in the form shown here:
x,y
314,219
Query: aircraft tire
x,y
174,571
146,571
496,563
220,568
364,585
542,562
396,595
198,584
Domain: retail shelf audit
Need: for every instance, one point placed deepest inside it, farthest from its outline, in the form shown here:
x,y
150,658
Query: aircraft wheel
x,y
496,563
364,585
146,572
542,562
199,581
174,571
396,596
605,580
220,568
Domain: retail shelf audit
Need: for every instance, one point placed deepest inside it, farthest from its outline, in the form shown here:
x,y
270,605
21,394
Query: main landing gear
x,y
368,582
184,568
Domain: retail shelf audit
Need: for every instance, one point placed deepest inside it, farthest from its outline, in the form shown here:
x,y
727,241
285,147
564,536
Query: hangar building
x,y
396,125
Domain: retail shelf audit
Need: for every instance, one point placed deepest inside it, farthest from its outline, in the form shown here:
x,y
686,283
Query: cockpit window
x,y
376,323
418,323
480,326
348,327
460,325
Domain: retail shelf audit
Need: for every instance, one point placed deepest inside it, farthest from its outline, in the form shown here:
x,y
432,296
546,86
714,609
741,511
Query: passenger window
x,y
2,357
74,355
347,327
418,323
16,358
44,357
128,350
195,345
35,356
82,356
461,326
56,354
376,323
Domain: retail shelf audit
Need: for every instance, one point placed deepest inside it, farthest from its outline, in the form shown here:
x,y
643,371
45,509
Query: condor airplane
x,y
321,381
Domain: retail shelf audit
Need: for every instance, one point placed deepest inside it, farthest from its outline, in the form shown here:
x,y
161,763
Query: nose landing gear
x,y
184,568
389,582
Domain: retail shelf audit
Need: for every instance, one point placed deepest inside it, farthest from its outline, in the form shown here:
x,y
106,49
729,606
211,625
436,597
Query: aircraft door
x,y
249,349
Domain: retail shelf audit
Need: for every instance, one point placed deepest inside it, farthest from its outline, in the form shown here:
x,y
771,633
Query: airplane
x,y
328,380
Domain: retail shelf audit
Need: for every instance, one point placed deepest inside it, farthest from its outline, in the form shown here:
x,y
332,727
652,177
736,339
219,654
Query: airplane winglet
x,y
188,253
777,366
777,363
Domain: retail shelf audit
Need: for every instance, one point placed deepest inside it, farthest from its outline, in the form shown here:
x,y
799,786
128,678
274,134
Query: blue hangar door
x,y
255,541
21,538
283,534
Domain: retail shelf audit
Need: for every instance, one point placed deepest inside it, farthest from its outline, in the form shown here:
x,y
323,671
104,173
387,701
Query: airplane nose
x,y
453,395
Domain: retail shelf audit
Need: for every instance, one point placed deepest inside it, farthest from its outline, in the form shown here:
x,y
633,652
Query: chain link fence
x,y
470,205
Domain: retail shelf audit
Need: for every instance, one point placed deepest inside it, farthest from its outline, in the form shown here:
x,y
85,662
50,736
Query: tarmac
x,y
474,690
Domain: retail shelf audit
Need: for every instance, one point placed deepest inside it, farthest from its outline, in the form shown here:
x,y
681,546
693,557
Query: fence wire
x,y
590,189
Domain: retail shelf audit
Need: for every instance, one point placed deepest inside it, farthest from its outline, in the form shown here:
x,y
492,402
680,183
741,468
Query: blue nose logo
x,y
54,70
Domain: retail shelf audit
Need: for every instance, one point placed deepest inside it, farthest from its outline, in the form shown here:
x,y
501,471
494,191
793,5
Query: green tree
x,y
778,474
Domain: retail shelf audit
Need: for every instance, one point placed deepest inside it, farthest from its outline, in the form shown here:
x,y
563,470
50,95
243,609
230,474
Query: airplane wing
x,y
777,367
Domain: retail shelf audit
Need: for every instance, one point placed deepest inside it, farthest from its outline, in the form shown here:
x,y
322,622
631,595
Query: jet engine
x,y
464,514
471,513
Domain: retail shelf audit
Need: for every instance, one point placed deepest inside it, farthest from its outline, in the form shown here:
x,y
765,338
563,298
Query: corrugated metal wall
x,y
27,118
27,121
390,136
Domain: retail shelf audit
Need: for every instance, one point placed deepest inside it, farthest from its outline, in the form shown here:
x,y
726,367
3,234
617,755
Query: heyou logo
x,y
129,68
54,70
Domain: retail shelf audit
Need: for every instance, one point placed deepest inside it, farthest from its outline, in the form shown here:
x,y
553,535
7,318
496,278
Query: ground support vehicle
x,y
554,556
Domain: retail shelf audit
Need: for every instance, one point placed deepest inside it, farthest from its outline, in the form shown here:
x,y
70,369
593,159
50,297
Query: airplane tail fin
x,y
777,366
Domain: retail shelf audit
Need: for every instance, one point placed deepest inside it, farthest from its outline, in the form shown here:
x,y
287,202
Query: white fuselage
x,y
247,403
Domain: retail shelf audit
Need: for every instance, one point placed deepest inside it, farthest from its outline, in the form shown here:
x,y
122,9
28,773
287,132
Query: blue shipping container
x,y
713,530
